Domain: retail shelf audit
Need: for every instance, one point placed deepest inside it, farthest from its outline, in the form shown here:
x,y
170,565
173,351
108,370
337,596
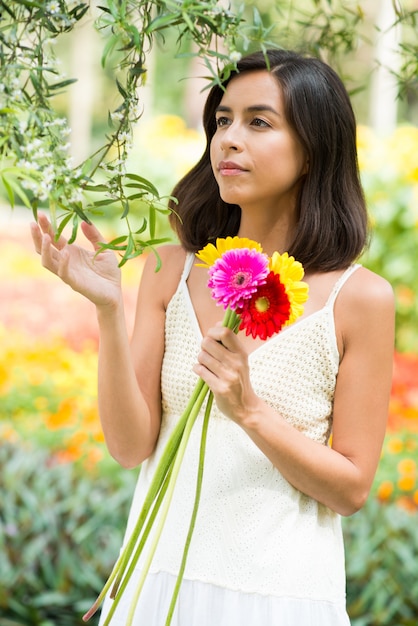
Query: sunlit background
x,y
64,500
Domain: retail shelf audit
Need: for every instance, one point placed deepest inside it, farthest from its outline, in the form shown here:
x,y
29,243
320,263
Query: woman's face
x,y
256,157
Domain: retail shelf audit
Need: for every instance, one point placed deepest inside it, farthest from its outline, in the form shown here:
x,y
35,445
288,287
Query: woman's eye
x,y
222,121
257,121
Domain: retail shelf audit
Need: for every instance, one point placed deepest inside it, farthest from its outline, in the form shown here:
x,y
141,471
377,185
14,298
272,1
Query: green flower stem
x,y
140,546
176,468
116,568
231,320
155,508
195,509
163,467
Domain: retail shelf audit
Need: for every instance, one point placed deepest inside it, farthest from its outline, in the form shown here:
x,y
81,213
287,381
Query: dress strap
x,y
188,264
340,282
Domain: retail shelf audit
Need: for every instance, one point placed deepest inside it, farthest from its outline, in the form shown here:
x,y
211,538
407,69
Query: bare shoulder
x,y
162,271
367,289
365,307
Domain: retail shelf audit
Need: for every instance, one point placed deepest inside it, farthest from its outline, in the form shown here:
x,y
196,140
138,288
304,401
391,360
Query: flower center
x,y
262,304
241,279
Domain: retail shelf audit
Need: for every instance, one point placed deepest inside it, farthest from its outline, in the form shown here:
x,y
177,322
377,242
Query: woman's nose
x,y
231,139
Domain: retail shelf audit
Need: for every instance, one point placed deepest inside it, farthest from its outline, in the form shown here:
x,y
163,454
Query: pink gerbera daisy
x,y
236,275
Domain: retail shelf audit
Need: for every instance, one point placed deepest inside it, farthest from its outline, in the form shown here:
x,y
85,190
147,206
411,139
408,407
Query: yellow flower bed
x,y
49,396
396,153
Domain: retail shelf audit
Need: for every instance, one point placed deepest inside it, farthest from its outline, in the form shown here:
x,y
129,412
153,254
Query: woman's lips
x,y
229,168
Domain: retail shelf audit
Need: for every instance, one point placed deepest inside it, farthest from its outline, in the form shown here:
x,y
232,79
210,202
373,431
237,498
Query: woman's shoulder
x,y
365,305
163,269
366,288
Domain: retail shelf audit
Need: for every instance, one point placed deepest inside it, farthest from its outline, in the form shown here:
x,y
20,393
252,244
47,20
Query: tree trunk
x,y
384,92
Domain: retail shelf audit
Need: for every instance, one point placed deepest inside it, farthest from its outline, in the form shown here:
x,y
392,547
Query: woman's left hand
x,y
223,365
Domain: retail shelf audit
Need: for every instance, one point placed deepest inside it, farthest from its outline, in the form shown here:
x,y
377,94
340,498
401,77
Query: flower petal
x,y
291,273
268,309
210,253
236,275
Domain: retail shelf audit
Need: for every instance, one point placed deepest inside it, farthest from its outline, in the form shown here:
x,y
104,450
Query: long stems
x,y
163,467
139,548
158,500
195,508
166,505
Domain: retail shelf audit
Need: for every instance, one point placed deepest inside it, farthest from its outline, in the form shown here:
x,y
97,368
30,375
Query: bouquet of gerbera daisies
x,y
260,295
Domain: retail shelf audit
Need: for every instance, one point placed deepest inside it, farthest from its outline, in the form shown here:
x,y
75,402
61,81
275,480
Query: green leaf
x,y
125,205
129,251
143,183
77,208
4,6
13,188
152,221
188,22
121,90
79,11
118,240
135,196
142,228
74,230
107,50
137,69
99,187
9,191
159,261
62,84
104,9
161,22
63,223
104,202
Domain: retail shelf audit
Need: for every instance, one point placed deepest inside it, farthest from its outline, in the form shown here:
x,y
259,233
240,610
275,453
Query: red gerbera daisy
x,y
266,312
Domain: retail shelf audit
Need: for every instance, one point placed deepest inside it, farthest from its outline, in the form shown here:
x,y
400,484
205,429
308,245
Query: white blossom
x,y
116,116
76,195
235,56
124,136
53,7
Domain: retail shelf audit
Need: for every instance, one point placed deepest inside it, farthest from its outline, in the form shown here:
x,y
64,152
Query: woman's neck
x,y
272,234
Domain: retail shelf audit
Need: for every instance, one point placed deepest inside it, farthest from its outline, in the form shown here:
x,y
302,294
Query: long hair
x,y
332,223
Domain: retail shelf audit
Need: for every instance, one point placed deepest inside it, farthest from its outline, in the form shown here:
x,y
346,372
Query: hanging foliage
x,y
34,139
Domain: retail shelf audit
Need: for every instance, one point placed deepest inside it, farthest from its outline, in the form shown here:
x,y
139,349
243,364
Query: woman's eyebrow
x,y
255,108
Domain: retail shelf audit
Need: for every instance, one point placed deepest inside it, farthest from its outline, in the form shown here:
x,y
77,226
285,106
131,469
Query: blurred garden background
x,y
63,500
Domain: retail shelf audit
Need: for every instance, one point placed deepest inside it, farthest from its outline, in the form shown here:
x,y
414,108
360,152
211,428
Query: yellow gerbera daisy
x,y
210,253
291,273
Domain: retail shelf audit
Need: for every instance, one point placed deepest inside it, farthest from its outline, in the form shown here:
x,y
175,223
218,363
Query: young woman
x,y
280,168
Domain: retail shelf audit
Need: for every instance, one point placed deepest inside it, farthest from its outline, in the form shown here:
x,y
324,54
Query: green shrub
x,y
61,530
382,566
60,533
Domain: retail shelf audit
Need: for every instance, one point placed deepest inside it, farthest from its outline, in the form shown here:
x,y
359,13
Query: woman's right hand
x,y
95,275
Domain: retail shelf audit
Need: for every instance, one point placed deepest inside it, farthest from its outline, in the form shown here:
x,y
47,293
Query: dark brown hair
x,y
332,224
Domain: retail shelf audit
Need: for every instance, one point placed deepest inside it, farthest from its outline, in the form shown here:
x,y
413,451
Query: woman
x,y
280,168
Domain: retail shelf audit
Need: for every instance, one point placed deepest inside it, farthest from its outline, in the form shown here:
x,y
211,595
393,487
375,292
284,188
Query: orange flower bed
x,y
403,409
48,355
397,476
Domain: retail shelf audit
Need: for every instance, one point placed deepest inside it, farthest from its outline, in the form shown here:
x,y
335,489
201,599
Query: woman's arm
x,y
339,477
129,376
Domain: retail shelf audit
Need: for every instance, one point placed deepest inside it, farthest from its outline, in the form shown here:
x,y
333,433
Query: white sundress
x,y
262,552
